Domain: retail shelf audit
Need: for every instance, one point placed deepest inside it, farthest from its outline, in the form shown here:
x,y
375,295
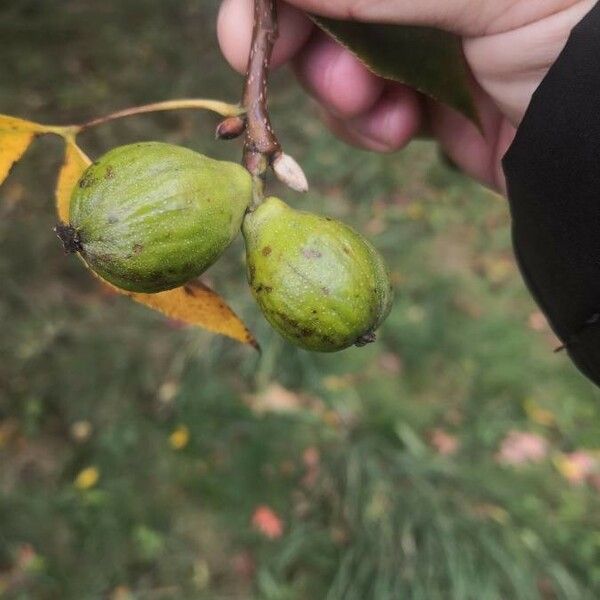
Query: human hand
x,y
509,46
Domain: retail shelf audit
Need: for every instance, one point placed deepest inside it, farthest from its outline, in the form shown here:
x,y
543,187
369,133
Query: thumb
x,y
236,16
463,17
458,16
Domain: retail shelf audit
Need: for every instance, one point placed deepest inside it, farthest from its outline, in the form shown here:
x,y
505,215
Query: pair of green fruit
x,y
151,216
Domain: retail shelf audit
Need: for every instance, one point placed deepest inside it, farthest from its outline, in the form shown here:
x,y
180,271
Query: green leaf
x,y
429,60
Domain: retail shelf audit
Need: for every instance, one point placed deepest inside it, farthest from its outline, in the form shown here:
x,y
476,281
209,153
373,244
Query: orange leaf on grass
x,y
193,303
521,448
267,522
576,467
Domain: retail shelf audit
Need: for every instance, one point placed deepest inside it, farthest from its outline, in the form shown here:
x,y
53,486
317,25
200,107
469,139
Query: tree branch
x,y
261,145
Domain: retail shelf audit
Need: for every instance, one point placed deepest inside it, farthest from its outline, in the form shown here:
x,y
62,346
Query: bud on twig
x,y
231,128
290,172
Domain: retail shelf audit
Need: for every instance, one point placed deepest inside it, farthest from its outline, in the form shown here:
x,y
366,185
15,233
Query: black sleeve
x,y
553,176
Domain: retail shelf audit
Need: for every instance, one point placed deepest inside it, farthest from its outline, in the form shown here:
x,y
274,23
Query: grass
x,y
339,447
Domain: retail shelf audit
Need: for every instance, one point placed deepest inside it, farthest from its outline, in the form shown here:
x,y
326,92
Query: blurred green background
x,y
456,458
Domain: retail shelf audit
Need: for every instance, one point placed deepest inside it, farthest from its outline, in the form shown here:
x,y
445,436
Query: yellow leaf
x,y
179,438
15,137
569,469
75,163
9,123
81,431
537,414
87,478
193,303
121,592
576,466
277,399
196,304
201,576
415,211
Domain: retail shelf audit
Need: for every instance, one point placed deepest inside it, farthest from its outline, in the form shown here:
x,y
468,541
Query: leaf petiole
x,y
225,109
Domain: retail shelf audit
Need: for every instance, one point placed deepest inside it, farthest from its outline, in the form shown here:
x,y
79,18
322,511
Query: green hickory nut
x,y
319,283
149,217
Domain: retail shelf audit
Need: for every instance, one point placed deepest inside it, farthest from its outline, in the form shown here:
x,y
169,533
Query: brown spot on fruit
x,y
263,288
266,251
86,182
326,290
158,277
286,319
137,248
110,172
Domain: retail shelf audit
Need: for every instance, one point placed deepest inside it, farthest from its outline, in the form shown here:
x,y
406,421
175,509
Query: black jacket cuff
x,y
553,176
